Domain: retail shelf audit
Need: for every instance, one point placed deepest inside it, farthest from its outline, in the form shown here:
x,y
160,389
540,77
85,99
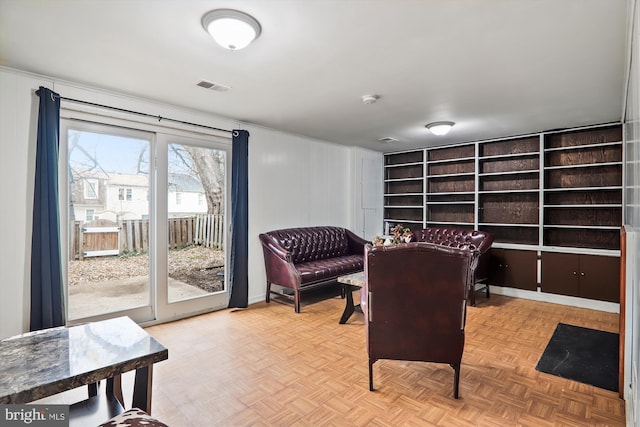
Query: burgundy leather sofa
x,y
462,238
307,257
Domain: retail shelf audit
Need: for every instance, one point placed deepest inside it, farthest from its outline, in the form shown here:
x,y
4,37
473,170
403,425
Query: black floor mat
x,y
585,355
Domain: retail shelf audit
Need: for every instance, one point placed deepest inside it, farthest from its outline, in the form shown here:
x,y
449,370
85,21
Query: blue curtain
x,y
239,280
47,298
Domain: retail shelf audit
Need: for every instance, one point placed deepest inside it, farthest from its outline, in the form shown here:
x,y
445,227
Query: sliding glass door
x,y
194,197
145,220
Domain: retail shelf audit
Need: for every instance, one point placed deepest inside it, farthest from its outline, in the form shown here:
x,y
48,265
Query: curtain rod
x,y
160,118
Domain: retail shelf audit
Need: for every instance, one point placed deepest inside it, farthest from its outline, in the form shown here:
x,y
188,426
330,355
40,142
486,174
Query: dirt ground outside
x,y
196,266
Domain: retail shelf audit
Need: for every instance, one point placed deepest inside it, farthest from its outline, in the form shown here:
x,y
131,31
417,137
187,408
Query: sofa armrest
x,y
268,242
279,268
356,243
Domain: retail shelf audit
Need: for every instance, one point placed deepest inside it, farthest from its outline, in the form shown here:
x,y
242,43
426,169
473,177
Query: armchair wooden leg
x,y
268,296
472,295
456,378
371,362
296,300
486,286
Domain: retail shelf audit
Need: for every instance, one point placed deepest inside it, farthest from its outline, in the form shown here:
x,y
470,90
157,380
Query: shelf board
x,y
497,224
520,172
411,221
508,191
403,179
459,159
450,222
451,175
583,165
578,147
611,187
399,165
613,205
450,193
508,156
453,202
402,207
402,194
583,227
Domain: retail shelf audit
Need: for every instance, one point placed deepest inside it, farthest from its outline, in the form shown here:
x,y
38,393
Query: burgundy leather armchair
x,y
307,257
414,300
462,238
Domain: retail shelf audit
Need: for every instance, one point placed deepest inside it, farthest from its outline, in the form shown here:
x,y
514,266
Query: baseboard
x,y
609,307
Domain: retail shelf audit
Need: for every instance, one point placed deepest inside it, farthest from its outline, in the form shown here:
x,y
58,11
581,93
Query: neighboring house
x,y
185,196
88,195
114,196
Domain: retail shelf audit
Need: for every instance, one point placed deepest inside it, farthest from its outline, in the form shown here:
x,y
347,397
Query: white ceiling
x,y
495,67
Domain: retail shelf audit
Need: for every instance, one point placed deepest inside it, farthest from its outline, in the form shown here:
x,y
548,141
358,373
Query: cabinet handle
x,y
582,273
506,266
575,273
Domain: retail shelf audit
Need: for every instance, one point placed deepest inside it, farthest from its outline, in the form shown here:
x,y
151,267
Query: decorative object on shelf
x,y
230,28
399,235
440,128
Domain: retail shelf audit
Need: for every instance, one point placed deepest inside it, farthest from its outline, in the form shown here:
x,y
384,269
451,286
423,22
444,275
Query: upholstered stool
x,y
133,418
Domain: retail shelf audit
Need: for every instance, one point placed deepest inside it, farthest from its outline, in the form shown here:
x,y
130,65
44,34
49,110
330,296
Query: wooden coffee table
x,y
351,283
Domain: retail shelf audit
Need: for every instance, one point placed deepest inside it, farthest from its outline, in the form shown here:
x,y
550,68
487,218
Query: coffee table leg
x,y
142,389
349,307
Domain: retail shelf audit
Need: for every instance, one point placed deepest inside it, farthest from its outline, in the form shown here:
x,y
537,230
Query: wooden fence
x,y
132,236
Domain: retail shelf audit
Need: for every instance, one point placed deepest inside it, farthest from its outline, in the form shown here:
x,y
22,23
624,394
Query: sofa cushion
x,y
312,243
324,269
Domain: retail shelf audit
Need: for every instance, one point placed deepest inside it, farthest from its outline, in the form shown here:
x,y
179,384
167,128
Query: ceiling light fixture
x,y
440,128
370,99
230,28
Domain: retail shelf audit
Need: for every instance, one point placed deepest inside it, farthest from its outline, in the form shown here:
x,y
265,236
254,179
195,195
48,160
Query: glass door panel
x,y
196,183
108,221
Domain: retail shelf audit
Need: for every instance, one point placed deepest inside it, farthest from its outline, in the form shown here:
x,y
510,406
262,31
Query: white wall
x,y
17,167
293,181
632,218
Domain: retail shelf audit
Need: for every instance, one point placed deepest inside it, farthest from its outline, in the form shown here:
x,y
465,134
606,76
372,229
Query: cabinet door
x,y
560,273
521,269
600,277
496,267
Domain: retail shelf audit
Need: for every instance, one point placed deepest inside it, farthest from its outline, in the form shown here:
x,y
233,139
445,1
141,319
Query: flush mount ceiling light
x,y
230,28
440,128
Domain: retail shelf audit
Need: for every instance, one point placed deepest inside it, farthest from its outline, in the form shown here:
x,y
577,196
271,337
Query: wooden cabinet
x,y
451,183
514,269
508,191
404,188
587,276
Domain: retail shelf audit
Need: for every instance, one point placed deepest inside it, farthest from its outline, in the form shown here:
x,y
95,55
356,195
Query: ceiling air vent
x,y
388,139
213,86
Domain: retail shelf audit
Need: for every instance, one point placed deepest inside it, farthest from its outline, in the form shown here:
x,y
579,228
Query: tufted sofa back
x,y
312,243
452,237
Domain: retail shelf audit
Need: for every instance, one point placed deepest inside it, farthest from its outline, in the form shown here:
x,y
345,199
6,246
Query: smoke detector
x,y
388,139
218,87
369,99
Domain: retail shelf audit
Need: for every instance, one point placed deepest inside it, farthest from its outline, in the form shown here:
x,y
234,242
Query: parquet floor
x,y
267,366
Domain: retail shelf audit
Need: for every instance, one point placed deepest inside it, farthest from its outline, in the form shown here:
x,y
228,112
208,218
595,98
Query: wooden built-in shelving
x,y
552,193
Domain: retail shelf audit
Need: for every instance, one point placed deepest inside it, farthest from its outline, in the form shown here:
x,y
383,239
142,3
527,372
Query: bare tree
x,y
208,167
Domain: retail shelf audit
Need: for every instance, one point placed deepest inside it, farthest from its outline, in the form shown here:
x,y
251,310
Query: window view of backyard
x,y
110,235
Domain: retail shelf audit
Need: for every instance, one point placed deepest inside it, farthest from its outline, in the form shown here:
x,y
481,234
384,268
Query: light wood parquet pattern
x,y
267,366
